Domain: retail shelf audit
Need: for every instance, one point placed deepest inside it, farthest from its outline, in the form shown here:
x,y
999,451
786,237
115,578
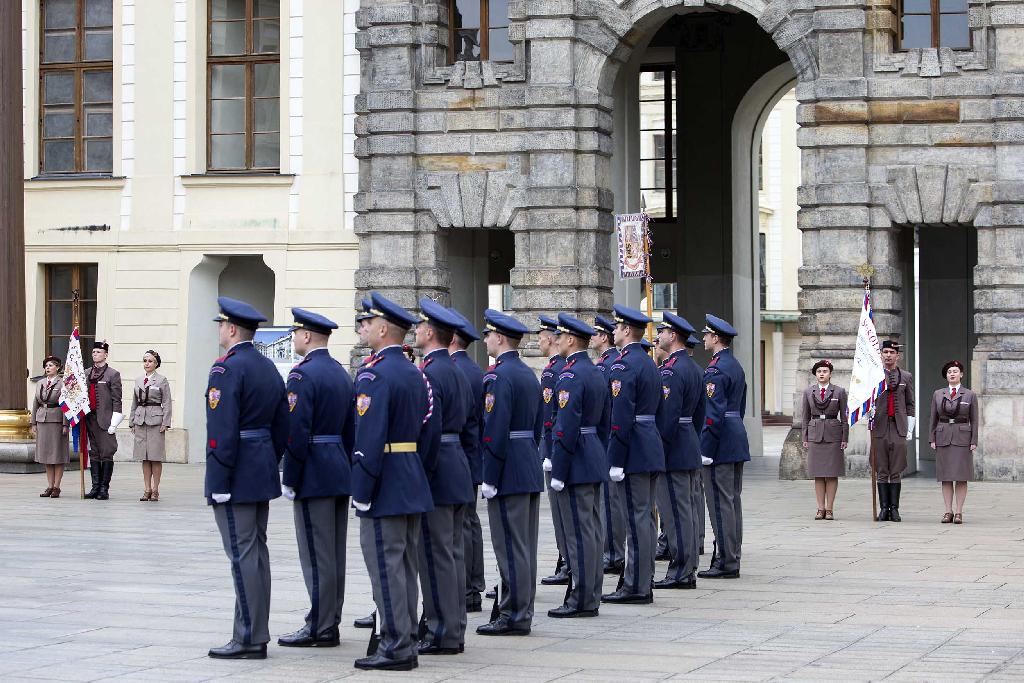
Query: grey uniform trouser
x,y
473,550
580,512
243,529
555,519
723,487
321,530
515,523
389,549
641,532
443,575
680,502
613,504
702,523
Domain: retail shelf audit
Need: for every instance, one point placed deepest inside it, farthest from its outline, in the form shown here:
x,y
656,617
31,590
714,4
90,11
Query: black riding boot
x,y
94,472
894,502
106,472
883,502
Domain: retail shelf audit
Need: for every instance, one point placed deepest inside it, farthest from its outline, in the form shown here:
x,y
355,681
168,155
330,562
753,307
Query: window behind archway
x,y
934,23
478,31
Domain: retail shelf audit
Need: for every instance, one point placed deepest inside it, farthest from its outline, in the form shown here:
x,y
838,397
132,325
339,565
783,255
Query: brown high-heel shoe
x,y
154,497
146,496
55,493
47,492
820,514
829,516
958,518
947,517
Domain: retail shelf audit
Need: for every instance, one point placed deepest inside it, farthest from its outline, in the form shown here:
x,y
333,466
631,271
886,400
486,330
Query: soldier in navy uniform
x,y
579,464
724,440
680,415
548,376
317,475
691,344
246,431
635,452
513,478
396,433
442,562
613,502
473,540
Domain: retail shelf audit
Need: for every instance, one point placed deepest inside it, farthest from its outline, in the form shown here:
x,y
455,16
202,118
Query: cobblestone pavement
x,y
138,591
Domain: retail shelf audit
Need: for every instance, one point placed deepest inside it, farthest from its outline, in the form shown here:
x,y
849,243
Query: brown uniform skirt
x,y
149,444
954,463
825,460
51,444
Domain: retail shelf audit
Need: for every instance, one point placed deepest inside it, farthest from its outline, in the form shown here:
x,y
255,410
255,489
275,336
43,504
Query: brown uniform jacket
x,y
46,404
903,393
835,428
151,403
108,396
962,410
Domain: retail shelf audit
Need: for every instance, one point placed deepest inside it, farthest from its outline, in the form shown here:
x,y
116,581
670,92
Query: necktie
x,y
145,382
823,393
952,394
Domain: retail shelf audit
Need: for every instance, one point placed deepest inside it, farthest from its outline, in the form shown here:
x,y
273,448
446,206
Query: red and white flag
x,y
74,390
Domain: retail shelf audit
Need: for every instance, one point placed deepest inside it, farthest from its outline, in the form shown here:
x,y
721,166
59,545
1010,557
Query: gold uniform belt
x,y
400,447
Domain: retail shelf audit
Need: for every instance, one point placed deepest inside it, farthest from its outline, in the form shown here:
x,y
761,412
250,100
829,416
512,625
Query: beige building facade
x,y
200,148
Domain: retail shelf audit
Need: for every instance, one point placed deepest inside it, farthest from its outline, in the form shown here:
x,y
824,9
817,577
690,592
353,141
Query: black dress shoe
x,y
623,598
474,603
425,648
715,572
683,584
235,650
303,638
491,594
614,567
566,612
364,622
502,627
559,578
381,663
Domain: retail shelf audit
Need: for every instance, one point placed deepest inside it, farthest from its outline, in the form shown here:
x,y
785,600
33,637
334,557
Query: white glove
x,y
362,507
547,464
616,473
557,484
221,497
288,492
115,419
911,423
704,460
488,491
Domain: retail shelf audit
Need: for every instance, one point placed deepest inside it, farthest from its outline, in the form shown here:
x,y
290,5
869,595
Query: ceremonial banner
x,y
632,233
868,377
74,396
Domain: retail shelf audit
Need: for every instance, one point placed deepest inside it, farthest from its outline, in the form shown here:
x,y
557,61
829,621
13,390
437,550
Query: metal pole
x,y
76,305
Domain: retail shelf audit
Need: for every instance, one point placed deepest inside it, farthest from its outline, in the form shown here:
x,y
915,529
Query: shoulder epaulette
x,y
671,361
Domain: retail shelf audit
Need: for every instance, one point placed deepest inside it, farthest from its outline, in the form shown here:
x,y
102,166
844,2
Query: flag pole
x,y
647,280
75,304
871,441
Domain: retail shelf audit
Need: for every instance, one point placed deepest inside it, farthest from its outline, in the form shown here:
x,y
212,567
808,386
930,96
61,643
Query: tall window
x,y
76,86
478,30
934,23
243,85
62,281
762,254
657,127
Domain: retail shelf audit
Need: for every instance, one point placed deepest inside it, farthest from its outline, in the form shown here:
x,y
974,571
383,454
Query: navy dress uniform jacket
x,y
635,443
582,418
451,482
682,399
724,439
548,379
512,412
474,375
246,426
393,406
606,360
321,428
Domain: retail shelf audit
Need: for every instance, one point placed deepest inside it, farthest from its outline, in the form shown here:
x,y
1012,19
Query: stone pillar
x,y
563,258
998,358
14,420
401,252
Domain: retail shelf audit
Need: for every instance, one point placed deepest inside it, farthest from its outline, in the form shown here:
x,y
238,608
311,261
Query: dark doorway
x,y
944,312
478,257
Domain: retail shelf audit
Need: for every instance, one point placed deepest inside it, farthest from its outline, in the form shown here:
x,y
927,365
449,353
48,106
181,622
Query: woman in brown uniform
x,y
50,428
149,419
954,438
826,428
